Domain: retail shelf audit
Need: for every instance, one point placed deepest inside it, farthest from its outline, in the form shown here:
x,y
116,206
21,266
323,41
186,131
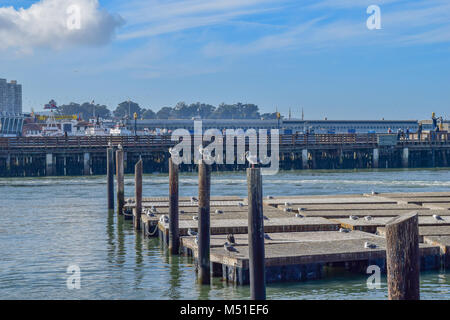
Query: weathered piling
x,y
138,194
256,235
110,177
402,257
174,232
204,189
120,180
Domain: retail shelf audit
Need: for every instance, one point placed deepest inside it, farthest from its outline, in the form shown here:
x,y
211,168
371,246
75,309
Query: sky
x,y
315,55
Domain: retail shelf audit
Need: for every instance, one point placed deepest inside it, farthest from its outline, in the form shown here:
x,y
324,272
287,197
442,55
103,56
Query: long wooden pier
x,y
50,156
307,237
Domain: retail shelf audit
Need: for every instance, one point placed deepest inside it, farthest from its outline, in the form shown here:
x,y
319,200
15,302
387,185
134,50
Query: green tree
x,y
127,108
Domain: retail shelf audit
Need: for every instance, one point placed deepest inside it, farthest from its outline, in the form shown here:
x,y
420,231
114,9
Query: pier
x,y
73,156
306,237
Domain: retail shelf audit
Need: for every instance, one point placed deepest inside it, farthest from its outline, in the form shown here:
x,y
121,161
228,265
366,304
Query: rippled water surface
x,y
47,224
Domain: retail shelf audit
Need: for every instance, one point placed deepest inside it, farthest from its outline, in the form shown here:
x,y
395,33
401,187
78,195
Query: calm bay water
x,y
47,224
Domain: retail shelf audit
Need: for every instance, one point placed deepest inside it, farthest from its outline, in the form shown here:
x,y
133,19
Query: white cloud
x,y
45,24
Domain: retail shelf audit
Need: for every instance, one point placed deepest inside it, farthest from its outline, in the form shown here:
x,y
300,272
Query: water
x,y
47,224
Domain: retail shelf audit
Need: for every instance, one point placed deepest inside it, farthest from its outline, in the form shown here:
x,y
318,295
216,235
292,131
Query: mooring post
x,y
110,177
138,194
120,180
86,163
174,232
204,189
256,235
402,257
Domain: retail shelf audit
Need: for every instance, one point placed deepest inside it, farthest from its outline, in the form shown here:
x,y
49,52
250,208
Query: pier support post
x,y
305,158
86,164
174,232
375,158
8,164
138,194
256,235
405,158
49,165
402,257
204,189
110,177
120,180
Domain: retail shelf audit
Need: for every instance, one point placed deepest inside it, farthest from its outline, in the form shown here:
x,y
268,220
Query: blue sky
x,y
282,54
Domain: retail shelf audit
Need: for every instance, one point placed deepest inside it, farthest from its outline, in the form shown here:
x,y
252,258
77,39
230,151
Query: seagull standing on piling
x,y
252,159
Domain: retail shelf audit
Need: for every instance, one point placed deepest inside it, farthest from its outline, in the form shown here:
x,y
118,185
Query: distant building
x,y
10,97
11,118
286,126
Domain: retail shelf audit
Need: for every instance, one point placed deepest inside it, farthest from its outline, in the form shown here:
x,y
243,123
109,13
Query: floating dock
x,y
306,236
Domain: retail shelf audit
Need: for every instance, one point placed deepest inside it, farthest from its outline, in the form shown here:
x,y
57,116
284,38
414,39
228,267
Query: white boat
x,y
120,130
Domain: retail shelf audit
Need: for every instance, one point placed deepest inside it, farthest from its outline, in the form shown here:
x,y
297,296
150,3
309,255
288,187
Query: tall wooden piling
x,y
204,190
402,257
138,194
110,177
256,235
174,232
120,180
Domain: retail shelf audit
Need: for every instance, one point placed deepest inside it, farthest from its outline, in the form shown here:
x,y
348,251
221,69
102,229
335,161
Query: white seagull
x,y
343,230
219,212
368,218
252,159
437,217
164,219
191,232
369,245
353,217
298,215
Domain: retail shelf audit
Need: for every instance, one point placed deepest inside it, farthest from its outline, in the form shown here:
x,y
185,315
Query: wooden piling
x,y
138,194
204,189
256,235
174,232
120,180
110,177
402,257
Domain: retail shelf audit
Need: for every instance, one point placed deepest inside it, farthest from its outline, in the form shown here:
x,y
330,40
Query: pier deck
x,y
302,248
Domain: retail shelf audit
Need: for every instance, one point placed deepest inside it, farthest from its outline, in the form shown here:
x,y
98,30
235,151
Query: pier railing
x,y
164,141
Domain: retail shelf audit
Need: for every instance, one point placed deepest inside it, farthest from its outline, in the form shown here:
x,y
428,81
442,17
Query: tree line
x,y
181,110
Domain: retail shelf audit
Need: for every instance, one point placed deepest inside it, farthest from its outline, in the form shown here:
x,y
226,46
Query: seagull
x,y
287,209
265,218
267,237
164,219
269,197
353,218
240,204
195,218
231,239
252,159
149,214
191,232
301,209
368,218
228,247
219,212
287,204
437,217
194,200
343,230
374,192
369,245
153,209
298,215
